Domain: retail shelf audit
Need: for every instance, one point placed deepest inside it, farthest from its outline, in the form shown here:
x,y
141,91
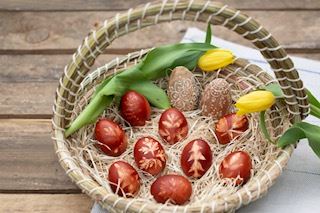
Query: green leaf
x,y
208,34
190,61
291,136
275,89
314,105
299,131
100,86
90,114
154,65
160,59
314,111
312,100
155,95
262,122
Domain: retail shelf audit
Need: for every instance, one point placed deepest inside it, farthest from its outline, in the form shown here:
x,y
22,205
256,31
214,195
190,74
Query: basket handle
x,y
150,14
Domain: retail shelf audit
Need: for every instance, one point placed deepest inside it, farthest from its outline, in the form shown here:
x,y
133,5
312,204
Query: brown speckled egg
x,y
216,98
183,91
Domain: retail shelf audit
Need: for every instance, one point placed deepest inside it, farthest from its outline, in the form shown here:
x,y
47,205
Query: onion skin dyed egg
x,y
173,126
231,126
175,188
196,158
122,173
112,138
236,165
149,155
135,108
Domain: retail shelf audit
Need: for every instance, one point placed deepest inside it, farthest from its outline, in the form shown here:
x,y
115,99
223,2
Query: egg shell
x,y
236,165
112,138
230,126
173,126
196,158
183,90
123,179
216,99
175,188
149,155
135,108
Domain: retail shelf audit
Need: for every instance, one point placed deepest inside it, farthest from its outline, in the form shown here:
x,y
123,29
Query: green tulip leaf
x,y
299,131
90,114
156,64
275,89
208,34
263,126
155,95
314,105
312,100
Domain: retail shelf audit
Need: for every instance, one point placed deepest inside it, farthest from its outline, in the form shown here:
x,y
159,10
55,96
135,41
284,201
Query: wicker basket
x,y
76,86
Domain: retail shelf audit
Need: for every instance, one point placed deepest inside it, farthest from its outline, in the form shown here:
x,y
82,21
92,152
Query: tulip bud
x,y
215,59
255,101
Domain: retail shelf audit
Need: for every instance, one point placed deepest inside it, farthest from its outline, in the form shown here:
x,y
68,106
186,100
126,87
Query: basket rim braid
x,y
150,14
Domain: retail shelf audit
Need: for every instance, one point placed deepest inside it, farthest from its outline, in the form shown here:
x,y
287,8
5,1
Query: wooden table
x,y
37,39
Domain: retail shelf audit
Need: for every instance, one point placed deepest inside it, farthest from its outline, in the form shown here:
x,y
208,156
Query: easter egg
x,y
112,139
230,126
196,158
183,91
236,165
135,108
216,99
123,179
173,126
149,155
175,188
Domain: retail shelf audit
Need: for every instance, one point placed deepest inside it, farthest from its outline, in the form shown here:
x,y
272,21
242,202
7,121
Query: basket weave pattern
x,y
76,81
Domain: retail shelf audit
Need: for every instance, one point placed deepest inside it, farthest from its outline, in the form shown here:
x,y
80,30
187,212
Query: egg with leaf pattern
x,y
149,155
196,158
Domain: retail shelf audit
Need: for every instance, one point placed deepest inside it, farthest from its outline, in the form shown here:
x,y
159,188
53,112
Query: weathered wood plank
x,y
45,203
38,68
35,5
46,68
41,31
28,83
27,158
26,98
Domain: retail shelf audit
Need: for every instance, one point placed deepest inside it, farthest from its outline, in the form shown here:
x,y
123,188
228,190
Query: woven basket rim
x,y
215,13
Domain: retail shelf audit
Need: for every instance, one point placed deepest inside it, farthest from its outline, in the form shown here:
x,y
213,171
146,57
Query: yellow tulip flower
x,y
255,101
215,59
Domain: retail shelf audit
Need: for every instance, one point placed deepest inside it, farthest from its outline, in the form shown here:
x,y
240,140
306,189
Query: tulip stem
x,y
263,126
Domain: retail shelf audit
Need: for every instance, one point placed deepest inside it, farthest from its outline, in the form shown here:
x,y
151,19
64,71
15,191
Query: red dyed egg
x,y
175,188
149,155
196,158
123,179
230,126
135,108
173,126
112,138
236,165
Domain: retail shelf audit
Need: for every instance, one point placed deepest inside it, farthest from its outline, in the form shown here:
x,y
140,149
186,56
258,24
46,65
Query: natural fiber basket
x,y
87,168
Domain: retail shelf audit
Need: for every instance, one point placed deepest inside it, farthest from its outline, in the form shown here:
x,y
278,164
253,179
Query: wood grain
x,y
81,5
27,158
29,82
39,68
26,98
43,31
45,203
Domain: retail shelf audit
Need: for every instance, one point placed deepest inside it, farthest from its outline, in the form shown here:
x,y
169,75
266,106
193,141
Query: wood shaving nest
x,y
210,186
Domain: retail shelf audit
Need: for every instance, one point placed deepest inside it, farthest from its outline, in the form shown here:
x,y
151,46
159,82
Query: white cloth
x,y
298,188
